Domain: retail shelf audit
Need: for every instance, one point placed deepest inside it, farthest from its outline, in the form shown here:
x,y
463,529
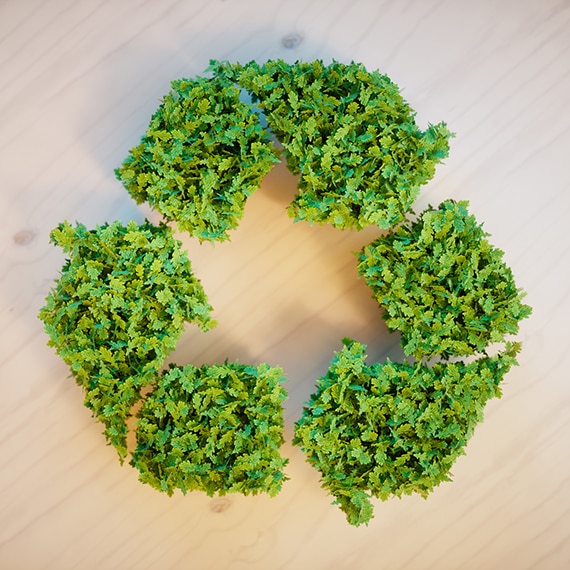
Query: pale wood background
x,y
79,80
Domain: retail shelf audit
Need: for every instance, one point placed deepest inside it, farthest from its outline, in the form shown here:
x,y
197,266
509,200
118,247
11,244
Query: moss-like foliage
x,y
349,134
118,310
124,294
203,155
390,428
442,284
216,429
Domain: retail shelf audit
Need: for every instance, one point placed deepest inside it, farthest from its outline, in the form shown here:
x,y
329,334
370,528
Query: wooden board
x,y
78,83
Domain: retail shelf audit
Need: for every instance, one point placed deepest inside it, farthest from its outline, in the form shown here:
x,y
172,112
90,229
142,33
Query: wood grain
x,y
78,83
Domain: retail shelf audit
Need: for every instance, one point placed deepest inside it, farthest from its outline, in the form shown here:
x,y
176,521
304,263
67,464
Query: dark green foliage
x,y
349,134
203,155
442,284
391,429
117,311
216,429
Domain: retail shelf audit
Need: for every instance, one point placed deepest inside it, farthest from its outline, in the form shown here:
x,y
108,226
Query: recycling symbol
x,y
126,292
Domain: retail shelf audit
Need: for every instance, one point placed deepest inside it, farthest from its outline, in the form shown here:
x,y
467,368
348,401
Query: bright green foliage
x,y
391,429
442,284
203,155
349,134
117,311
216,429
379,430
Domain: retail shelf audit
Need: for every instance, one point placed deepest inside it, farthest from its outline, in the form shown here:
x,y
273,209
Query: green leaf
x,y
333,118
213,437
112,317
203,154
411,424
443,261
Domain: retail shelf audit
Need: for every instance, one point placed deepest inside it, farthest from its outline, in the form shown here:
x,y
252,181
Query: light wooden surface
x,y
78,83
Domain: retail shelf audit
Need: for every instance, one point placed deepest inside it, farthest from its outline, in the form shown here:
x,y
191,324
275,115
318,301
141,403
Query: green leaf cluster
x,y
216,429
203,155
348,133
117,311
442,284
397,428
393,428
125,293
